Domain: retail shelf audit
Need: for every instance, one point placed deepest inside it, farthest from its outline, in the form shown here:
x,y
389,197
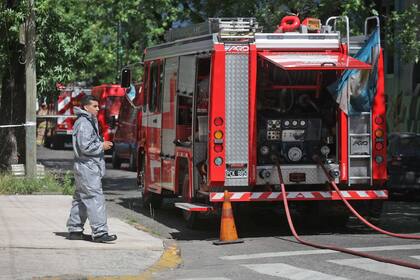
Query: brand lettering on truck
x,y
237,48
360,143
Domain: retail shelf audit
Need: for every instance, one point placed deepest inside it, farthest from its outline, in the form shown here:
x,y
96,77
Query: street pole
x,y
30,71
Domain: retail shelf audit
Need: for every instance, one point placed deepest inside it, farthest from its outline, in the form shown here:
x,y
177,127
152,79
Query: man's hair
x,y
86,100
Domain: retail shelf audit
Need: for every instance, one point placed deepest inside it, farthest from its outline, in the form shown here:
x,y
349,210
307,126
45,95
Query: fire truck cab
x,y
225,103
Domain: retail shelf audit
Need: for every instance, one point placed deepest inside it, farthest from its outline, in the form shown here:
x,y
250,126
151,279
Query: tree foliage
x,y
402,29
81,40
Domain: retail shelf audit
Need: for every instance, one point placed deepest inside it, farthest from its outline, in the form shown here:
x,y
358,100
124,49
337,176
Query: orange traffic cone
x,y
228,233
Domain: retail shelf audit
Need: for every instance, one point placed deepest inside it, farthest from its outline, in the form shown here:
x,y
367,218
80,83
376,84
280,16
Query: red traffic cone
x,y
228,234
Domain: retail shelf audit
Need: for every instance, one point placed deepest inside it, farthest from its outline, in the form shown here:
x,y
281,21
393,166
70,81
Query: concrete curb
x,y
170,259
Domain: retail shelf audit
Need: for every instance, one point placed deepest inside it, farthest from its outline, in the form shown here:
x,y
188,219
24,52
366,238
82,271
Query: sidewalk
x,y
33,243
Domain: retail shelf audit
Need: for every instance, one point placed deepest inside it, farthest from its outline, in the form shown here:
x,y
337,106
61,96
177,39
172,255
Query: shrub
x,y
51,183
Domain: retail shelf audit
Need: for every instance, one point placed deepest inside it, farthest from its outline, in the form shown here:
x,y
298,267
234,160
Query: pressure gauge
x,y
286,123
294,123
294,154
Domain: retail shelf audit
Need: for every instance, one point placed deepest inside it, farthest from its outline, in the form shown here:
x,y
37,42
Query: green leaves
x,y
402,31
90,40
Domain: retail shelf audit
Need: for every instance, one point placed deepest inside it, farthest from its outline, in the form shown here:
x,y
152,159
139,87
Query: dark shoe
x,y
105,238
79,236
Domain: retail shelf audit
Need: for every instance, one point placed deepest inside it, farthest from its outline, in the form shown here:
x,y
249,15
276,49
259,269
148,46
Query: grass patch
x,y
51,183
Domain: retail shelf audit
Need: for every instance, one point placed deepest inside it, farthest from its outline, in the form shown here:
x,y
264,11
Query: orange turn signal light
x,y
218,134
379,133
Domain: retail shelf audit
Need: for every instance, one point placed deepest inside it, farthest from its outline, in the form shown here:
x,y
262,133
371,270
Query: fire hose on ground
x,y
336,248
333,184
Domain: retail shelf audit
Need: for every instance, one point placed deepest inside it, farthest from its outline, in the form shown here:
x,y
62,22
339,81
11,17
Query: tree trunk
x,y
12,110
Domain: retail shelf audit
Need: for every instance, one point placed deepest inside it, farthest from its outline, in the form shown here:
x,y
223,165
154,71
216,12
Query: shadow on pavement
x,y
64,234
252,223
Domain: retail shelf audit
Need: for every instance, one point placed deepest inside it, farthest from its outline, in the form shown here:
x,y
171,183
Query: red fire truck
x,y
60,127
226,103
110,98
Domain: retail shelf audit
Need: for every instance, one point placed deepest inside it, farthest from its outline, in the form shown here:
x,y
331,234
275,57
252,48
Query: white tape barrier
x,y
18,125
39,117
55,116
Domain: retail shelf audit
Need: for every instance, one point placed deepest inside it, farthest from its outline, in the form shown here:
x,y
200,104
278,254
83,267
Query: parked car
x,y
129,121
404,163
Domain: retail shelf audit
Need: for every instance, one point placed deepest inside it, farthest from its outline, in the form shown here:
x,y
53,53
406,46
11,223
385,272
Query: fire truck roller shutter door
x,y
237,119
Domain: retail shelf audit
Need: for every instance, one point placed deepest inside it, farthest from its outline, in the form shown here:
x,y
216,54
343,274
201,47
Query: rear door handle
x,y
155,121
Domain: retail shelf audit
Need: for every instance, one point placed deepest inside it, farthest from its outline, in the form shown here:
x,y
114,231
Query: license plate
x,y
237,173
297,177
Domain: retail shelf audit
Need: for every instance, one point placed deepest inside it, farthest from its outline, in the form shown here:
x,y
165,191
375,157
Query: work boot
x,y
105,238
78,235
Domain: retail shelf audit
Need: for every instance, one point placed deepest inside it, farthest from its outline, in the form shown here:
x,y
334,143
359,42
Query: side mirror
x,y
125,78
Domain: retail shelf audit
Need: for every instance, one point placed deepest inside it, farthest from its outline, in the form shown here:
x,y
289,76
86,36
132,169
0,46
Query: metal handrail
x,y
347,27
378,24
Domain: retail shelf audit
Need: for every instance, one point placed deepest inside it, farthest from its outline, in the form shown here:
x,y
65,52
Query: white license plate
x,y
237,173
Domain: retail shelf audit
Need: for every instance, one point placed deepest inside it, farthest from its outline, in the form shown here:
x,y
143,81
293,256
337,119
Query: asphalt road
x,y
269,251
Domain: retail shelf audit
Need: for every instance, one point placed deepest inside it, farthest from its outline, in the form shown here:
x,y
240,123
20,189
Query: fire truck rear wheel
x,y
190,218
330,214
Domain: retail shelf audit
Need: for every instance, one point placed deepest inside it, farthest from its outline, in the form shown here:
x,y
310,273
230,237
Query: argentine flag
x,y
356,89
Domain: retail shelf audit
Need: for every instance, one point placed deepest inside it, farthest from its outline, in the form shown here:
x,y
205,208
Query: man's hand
x,y
107,145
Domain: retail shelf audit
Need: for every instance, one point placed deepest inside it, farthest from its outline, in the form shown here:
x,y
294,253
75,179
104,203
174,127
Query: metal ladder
x,y
360,128
360,148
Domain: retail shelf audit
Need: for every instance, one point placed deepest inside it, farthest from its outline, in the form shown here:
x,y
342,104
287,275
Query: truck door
x,y
153,119
184,121
168,124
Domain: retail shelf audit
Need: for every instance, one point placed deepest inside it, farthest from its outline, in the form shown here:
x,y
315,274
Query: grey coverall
x,y
89,168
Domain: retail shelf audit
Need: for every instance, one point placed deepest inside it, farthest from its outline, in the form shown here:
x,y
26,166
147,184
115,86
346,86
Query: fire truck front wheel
x,y
153,200
190,217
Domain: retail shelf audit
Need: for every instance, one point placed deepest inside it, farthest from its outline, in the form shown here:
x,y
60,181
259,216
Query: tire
x,y
339,221
116,161
47,142
185,186
190,218
153,200
149,199
133,161
140,174
56,144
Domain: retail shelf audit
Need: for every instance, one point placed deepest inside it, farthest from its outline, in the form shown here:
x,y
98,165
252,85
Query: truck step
x,y
194,207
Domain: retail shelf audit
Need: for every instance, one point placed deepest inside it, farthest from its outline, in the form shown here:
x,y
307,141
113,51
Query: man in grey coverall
x,y
89,168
